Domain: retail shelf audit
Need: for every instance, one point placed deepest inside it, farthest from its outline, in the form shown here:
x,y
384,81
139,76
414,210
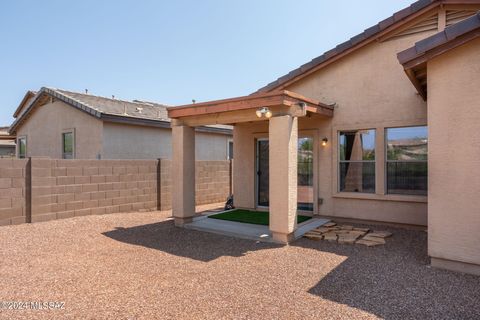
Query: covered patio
x,y
281,118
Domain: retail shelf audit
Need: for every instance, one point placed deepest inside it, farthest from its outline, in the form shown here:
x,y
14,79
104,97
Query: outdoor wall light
x,y
264,112
324,142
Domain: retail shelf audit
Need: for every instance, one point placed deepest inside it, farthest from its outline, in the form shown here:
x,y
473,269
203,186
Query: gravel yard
x,y
139,266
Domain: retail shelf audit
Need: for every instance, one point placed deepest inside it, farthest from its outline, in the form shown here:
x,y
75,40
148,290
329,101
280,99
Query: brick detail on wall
x,y
42,189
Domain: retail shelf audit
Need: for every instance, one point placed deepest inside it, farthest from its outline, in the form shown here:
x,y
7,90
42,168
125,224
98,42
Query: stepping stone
x,y
329,224
356,232
367,243
380,234
346,227
361,229
330,236
374,239
321,230
311,236
348,239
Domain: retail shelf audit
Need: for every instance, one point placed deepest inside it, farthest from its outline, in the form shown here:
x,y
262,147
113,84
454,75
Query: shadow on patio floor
x,y
192,244
395,282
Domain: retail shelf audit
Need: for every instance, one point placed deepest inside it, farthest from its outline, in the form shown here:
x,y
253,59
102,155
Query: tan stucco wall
x,y
109,140
44,130
136,142
372,92
454,156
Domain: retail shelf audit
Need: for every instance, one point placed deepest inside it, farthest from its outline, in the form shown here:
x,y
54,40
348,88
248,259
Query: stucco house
x,y
7,144
63,124
381,148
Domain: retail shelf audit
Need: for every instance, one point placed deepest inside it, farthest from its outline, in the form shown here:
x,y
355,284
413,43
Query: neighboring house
x,y
62,124
381,151
7,144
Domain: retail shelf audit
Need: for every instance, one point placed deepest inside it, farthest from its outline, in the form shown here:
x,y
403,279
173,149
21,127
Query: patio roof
x,y
228,111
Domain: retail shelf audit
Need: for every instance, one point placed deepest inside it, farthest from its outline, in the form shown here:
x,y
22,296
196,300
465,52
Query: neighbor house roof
x,y
5,138
415,58
371,34
108,109
30,94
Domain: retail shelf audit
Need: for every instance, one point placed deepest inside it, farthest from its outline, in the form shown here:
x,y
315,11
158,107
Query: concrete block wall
x,y
42,189
70,188
212,182
13,177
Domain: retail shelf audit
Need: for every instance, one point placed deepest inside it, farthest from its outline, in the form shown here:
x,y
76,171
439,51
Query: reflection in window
x,y
22,147
230,150
67,145
407,160
357,161
305,174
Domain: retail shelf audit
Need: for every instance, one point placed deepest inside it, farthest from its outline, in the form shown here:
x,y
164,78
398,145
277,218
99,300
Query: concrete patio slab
x,y
247,230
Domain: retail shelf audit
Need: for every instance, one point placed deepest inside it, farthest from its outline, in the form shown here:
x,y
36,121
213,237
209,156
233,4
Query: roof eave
x,y
268,99
371,34
440,43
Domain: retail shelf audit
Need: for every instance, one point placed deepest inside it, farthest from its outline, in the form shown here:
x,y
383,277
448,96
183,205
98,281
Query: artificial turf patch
x,y
252,217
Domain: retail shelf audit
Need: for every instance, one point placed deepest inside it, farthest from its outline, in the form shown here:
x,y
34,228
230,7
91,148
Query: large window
x,y
357,161
68,145
22,147
407,160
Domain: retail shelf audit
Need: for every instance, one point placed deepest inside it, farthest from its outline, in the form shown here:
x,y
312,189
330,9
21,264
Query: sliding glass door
x,y
305,194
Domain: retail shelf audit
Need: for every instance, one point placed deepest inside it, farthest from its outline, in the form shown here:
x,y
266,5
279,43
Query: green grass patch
x,y
252,217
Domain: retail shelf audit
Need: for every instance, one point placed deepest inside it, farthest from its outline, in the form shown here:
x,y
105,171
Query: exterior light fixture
x,y
264,112
324,142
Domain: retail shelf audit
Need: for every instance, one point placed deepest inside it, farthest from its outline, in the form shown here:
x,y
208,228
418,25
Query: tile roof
x,y
114,110
365,35
116,107
450,34
3,131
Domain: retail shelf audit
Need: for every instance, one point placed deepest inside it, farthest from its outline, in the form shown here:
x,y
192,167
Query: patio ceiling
x,y
242,109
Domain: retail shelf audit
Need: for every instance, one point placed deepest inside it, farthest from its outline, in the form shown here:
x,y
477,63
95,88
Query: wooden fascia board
x,y
134,121
20,107
423,58
7,137
270,99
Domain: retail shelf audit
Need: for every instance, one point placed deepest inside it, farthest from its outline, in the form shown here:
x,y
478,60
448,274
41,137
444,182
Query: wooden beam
x,y
416,84
271,99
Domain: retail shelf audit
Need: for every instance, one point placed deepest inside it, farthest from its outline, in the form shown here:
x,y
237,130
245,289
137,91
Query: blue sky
x,y
169,52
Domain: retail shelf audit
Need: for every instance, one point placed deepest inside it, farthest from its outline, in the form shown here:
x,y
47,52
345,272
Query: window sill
x,y
381,197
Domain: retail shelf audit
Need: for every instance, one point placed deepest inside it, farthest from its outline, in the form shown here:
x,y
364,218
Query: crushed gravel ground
x,y
139,266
